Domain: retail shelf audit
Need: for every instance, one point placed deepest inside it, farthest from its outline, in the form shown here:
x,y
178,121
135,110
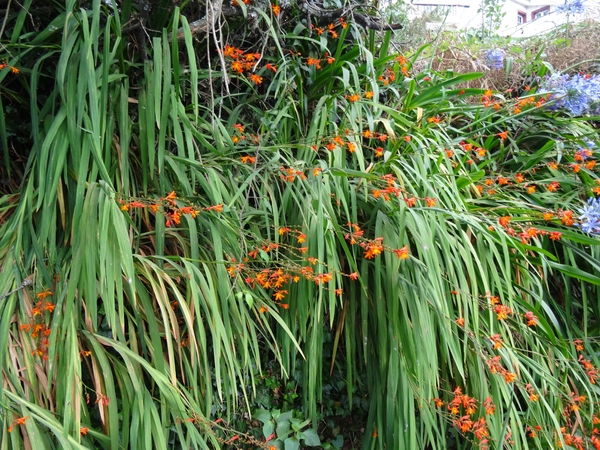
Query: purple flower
x,y
494,59
572,7
590,217
578,94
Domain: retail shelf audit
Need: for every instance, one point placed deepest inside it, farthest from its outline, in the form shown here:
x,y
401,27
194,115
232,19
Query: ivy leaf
x,y
286,416
283,429
291,444
263,415
268,429
311,438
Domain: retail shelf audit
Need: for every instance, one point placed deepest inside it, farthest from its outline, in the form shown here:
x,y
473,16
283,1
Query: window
x,y
521,17
540,12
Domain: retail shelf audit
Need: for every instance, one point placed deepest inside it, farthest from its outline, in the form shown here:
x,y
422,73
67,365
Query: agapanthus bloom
x,y
578,94
590,217
571,7
494,59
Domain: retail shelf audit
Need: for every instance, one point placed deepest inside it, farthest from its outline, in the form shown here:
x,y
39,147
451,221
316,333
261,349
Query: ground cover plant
x,y
238,236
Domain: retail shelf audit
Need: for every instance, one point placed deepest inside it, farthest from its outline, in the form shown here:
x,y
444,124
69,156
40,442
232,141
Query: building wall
x,y
463,15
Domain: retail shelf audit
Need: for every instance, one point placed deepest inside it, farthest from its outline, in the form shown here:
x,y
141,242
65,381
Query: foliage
x,y
172,223
492,14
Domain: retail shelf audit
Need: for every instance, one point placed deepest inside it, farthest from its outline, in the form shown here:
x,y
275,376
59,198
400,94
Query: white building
x,y
522,18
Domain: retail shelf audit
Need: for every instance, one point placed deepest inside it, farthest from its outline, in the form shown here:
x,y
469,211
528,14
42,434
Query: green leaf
x,y
268,429
291,444
262,414
311,438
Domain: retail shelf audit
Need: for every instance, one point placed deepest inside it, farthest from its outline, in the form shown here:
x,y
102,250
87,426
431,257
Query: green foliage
x,y
492,16
184,233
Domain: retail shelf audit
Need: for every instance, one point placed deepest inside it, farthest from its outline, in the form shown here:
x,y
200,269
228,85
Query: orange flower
x,y
460,322
173,218
430,202
502,311
519,178
301,237
509,377
317,171
231,52
45,293
276,9
410,202
367,134
353,98
237,66
83,431
407,138
502,135
353,276
464,424
369,94
217,208
438,402
248,159
256,79
378,152
323,278
497,341
314,62
339,291
402,253
19,421
374,248
566,218
171,197
504,220
280,295
531,319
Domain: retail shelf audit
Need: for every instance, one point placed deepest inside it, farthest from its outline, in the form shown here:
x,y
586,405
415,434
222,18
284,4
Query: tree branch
x,y
364,20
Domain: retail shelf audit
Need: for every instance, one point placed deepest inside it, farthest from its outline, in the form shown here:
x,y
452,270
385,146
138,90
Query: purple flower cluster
x,y
572,7
494,59
579,94
590,217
